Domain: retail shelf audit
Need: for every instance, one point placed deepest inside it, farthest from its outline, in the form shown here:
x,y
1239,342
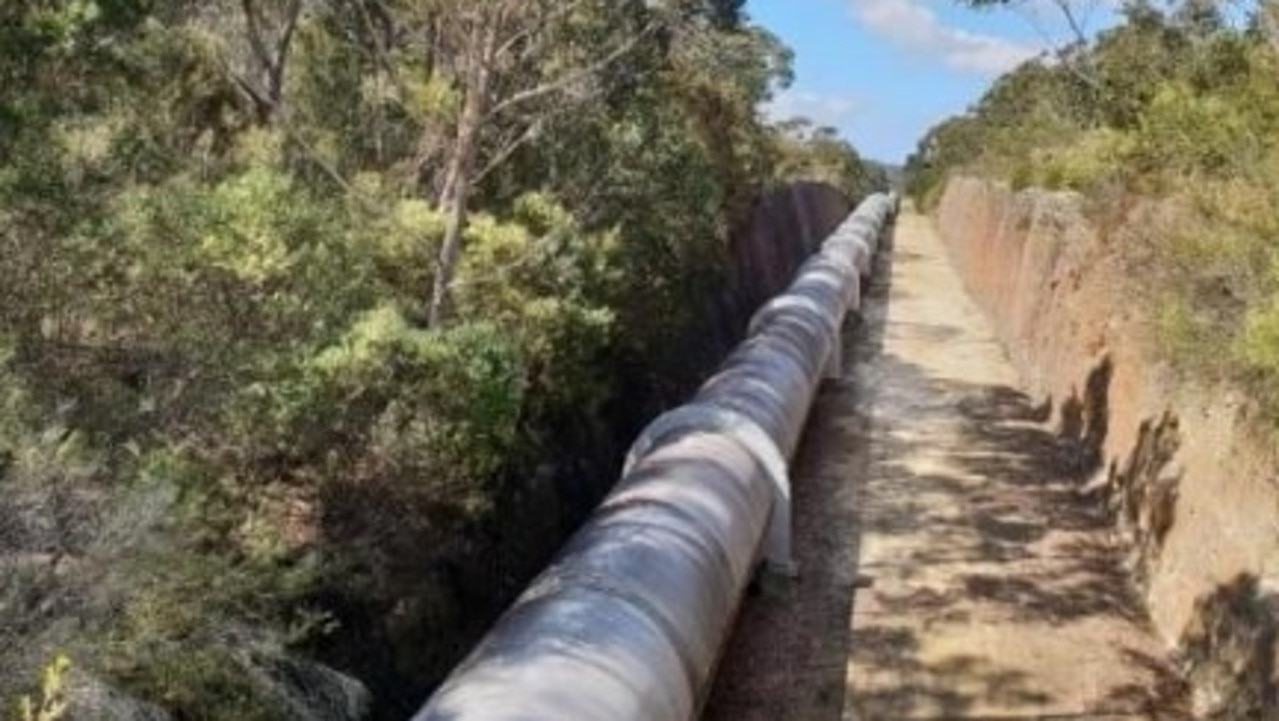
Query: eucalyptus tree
x,y
492,73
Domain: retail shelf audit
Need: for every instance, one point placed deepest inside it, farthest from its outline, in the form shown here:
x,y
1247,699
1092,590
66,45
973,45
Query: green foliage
x,y
1099,156
1180,106
441,406
819,155
1183,132
1260,341
206,684
1157,99
1188,335
50,703
15,408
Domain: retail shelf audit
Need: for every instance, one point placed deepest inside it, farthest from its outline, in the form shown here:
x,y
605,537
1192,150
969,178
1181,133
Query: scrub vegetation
x,y
322,321
1177,104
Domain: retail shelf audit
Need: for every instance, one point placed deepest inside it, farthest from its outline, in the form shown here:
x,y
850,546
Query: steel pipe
x,y
628,622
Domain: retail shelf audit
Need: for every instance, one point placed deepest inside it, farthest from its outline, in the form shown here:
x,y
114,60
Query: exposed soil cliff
x,y
1189,478
786,225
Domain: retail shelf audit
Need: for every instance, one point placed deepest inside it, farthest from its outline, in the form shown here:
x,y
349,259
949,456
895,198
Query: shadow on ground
x,y
1006,507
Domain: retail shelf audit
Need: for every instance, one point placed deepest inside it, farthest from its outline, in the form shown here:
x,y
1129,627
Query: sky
x,y
884,71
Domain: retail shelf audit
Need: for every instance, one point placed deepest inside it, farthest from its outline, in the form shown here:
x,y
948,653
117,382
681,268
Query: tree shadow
x,y
1163,700
1228,649
1007,507
951,688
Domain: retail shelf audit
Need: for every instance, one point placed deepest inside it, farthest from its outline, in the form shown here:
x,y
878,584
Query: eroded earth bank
x,y
1184,467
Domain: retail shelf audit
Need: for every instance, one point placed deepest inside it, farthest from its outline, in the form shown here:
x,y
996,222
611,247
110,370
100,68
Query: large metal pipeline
x,y
628,622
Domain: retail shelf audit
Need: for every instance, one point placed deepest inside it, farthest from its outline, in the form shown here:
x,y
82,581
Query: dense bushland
x,y
322,320
1179,105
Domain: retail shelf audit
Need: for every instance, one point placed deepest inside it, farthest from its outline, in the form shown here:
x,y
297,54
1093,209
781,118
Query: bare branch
x,y
530,134
1075,27
267,88
253,26
1079,30
282,49
312,154
571,78
383,56
543,22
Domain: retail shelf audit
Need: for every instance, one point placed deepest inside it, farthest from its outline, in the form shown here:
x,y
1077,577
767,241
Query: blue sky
x,y
884,71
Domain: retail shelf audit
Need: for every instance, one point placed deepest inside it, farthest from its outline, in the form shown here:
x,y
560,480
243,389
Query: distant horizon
x,y
882,72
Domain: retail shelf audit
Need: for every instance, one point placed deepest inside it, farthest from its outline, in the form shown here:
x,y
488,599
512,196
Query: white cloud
x,y
822,109
917,28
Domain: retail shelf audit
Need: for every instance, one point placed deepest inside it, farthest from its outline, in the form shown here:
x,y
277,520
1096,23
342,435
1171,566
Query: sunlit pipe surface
x,y
628,622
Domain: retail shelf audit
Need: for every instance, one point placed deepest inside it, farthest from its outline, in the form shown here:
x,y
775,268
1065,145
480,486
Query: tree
x,y
806,152
1073,12
1072,55
269,29
512,64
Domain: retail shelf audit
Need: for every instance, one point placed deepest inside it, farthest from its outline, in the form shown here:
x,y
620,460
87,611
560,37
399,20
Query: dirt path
x,y
949,569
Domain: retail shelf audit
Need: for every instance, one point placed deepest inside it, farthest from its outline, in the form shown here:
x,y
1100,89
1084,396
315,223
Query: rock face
x,y
307,691
786,226
89,699
1180,464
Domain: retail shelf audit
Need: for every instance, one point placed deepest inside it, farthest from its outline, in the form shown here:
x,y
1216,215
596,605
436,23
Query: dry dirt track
x,y
949,568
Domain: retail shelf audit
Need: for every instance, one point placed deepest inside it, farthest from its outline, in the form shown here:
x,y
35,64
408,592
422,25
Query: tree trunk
x,y
453,201
264,81
458,178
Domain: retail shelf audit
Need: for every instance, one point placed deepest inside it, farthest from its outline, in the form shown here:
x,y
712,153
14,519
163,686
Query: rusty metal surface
x,y
628,622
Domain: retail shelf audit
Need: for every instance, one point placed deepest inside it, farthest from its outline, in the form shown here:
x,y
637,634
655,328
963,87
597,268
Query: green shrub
x,y
1085,165
1187,337
1184,132
198,681
1259,345
437,409
49,703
